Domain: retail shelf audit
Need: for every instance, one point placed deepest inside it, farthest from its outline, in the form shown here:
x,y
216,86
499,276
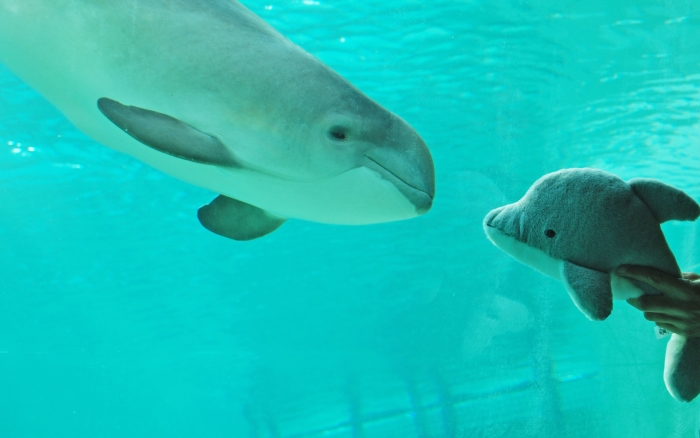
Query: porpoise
x,y
579,225
208,92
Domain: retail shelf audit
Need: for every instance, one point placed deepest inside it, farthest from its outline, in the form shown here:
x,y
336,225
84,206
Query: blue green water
x,y
120,316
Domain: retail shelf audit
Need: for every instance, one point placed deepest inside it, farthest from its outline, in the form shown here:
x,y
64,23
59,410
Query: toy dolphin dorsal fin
x,y
665,201
590,290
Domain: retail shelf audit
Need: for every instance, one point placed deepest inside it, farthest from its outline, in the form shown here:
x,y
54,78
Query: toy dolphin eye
x,y
550,233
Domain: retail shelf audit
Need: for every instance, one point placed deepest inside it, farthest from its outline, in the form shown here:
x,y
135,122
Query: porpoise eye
x,y
338,133
550,233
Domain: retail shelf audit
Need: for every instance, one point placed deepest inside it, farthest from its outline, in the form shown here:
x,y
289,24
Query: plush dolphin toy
x,y
209,93
580,225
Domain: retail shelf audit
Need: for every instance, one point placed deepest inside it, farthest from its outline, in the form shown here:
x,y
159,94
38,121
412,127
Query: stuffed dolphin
x,y
580,225
209,93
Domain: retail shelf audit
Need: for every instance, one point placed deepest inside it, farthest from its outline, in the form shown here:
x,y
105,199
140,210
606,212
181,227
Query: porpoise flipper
x,y
682,369
167,134
237,220
590,290
665,201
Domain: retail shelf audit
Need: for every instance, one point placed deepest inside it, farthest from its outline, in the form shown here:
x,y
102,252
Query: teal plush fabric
x,y
580,225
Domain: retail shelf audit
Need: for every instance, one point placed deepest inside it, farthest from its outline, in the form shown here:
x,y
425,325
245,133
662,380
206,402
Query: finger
x,y
680,330
691,276
662,318
664,282
659,304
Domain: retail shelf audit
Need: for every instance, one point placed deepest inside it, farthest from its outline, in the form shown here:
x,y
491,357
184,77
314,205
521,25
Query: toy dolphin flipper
x,y
590,290
666,202
681,367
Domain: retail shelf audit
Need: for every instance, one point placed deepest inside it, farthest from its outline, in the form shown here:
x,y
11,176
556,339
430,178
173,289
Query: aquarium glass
x,y
121,316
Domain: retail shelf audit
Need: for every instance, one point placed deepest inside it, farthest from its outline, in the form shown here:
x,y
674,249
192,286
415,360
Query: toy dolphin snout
x,y
507,221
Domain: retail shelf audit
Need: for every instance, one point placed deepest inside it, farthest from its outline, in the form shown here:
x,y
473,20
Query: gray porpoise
x,y
206,91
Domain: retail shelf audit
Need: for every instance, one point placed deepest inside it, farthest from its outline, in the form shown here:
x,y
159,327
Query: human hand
x,y
678,309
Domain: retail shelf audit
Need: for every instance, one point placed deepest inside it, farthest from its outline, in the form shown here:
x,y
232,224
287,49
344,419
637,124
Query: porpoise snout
x,y
405,161
411,177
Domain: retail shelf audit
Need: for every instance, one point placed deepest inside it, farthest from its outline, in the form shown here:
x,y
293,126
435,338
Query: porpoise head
x,y
316,126
378,140
309,144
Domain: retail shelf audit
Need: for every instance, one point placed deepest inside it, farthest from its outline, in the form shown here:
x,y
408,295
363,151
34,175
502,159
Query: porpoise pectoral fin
x,y
666,202
237,220
681,369
590,290
167,134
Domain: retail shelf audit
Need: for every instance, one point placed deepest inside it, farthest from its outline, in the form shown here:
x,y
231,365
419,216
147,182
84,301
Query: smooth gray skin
x,y
594,222
237,220
167,134
213,95
224,216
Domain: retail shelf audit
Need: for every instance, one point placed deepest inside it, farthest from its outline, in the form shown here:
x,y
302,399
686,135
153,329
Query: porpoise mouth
x,y
420,198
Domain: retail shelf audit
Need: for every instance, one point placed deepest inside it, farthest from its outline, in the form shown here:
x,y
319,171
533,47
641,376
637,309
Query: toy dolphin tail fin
x,y
665,201
682,367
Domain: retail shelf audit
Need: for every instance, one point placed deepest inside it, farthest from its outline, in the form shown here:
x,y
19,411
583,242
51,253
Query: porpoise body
x,y
209,93
579,225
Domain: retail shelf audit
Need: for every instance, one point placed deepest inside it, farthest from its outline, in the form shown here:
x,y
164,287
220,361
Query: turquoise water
x,y
120,316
